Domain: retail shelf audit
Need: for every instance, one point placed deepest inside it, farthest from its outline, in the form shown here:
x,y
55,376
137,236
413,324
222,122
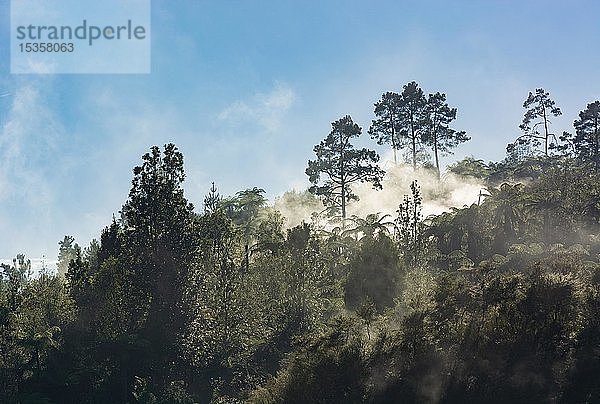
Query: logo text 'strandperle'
x,y
91,33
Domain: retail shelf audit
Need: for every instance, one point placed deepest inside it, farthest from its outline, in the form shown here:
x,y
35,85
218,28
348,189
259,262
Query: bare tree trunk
x,y
546,132
435,151
343,201
414,154
414,142
393,139
596,145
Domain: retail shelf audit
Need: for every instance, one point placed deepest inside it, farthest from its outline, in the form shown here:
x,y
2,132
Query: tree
x,y
245,209
343,165
540,107
547,202
215,289
585,143
33,311
370,226
385,129
212,200
436,131
409,226
68,250
374,272
159,244
297,281
507,213
329,367
412,106
470,167
15,279
110,241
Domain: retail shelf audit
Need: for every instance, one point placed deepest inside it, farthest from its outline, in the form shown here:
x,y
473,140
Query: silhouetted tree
x,y
470,167
159,244
409,226
540,108
436,131
245,209
507,213
412,104
67,251
343,165
212,200
386,128
585,144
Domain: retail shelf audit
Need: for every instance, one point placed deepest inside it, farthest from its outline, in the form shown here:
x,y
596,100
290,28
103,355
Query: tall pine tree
x,y
342,165
585,143
437,133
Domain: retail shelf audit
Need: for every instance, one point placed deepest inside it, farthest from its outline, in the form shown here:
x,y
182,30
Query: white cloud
x,y
266,110
29,143
26,138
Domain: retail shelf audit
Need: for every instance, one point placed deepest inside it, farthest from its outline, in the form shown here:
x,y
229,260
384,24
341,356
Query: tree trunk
x,y
393,139
596,145
435,151
414,144
343,178
343,202
414,153
545,132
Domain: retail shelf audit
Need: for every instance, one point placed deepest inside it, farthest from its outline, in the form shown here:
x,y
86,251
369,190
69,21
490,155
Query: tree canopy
x,y
496,301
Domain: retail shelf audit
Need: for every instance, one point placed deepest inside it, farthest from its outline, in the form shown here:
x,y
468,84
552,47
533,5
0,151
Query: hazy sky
x,y
246,88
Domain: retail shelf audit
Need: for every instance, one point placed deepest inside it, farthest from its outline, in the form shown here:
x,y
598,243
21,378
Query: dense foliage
x,y
493,302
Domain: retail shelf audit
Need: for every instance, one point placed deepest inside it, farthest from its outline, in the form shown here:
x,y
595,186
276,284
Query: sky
x,y
245,89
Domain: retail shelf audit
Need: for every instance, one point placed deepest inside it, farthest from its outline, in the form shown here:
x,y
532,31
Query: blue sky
x,y
246,88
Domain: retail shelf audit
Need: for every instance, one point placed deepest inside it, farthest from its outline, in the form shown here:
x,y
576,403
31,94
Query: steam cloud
x,y
439,195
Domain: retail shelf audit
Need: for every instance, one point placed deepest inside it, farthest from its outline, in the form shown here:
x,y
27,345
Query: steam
x,y
439,195
297,207
29,134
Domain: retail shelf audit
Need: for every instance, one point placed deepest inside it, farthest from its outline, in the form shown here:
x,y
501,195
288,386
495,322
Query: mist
x,y
439,195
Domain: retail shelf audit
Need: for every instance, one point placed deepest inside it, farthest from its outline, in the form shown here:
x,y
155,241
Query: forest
x,y
235,299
